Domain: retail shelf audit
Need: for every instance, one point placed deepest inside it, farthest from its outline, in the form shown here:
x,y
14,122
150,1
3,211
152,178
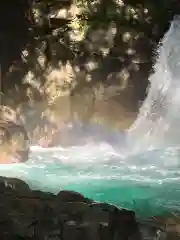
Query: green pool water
x,y
149,190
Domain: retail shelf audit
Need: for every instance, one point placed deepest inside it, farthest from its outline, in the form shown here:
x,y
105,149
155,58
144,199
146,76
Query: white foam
x,y
158,122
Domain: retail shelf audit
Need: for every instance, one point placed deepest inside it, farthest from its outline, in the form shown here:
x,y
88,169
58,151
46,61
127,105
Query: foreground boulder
x,y
30,214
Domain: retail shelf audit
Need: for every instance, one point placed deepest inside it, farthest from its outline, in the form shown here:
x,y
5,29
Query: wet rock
x,y
47,223
123,224
99,213
71,196
13,184
43,196
151,231
80,233
32,214
72,213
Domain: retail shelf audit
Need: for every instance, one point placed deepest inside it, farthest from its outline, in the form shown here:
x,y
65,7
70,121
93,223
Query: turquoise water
x,y
149,187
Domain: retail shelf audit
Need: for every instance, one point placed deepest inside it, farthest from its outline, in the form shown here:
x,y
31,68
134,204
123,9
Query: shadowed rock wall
x,y
79,59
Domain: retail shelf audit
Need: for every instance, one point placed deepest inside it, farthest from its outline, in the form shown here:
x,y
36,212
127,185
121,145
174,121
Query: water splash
x,y
157,125
140,171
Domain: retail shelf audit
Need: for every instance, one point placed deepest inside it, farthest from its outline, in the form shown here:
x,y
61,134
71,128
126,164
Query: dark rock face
x,y
28,214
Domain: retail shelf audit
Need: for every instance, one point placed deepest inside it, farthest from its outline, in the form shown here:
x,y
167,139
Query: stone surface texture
x,y
32,214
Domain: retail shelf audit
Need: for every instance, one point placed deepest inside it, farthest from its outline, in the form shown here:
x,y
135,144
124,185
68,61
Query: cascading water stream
x,y
139,169
158,122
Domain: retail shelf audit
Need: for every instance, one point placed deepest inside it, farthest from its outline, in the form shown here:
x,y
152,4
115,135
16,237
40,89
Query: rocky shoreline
x,y
32,214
